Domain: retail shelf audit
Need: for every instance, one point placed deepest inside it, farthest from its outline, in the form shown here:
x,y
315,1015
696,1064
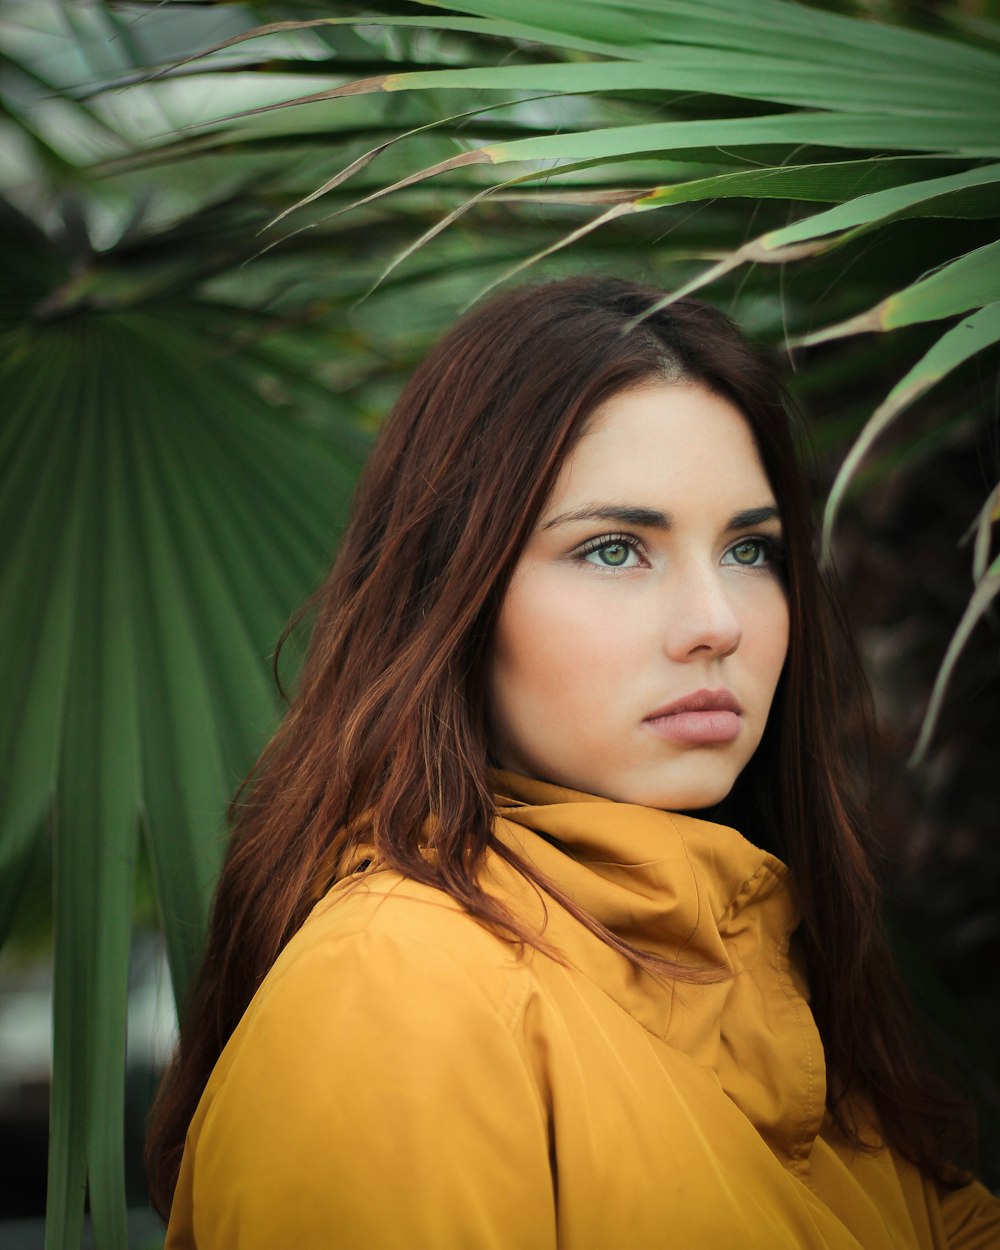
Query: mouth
x,y
703,718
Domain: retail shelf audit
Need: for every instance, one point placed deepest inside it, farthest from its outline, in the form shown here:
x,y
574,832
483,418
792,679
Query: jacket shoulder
x,y
359,1092
400,938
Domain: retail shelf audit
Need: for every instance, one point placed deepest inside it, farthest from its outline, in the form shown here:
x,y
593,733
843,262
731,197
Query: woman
x,y
507,991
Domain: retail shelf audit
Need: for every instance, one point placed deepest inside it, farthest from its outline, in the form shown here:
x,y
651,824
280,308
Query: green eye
x,y
610,552
748,552
614,554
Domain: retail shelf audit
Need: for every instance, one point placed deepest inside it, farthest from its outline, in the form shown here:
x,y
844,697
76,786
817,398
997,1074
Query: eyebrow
x,y
653,518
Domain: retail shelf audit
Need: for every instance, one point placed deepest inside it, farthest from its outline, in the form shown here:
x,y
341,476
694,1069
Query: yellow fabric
x,y
405,1079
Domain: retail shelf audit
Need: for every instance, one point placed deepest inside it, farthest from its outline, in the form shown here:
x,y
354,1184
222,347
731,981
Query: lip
x,y
699,719
701,701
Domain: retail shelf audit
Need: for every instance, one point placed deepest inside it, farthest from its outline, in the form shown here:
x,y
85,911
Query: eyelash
x,y
608,540
773,549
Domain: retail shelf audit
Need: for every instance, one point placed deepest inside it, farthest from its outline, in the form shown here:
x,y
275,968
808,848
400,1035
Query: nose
x,y
702,619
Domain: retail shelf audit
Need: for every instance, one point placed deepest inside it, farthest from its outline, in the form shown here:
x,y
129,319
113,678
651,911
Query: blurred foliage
x,y
192,374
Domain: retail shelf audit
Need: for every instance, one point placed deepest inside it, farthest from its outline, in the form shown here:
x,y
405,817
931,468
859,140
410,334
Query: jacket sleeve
x,y
971,1217
377,1098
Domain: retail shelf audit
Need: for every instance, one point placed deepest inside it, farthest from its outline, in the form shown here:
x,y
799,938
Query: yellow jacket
x,y
405,1079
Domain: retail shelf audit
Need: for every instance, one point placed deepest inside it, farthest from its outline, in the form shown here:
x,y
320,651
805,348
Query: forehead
x,y
663,444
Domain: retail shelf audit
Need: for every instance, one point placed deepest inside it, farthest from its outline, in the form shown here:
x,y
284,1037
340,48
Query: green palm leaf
x,y
965,340
155,585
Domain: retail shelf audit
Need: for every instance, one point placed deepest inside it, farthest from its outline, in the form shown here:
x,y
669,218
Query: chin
x,y
693,804
692,801
687,795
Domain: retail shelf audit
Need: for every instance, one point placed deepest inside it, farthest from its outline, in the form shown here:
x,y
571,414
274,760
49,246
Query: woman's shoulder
x,y
384,943
382,1032
391,908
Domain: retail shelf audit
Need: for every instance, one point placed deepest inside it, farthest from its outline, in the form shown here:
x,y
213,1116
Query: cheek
x,y
554,652
535,642
776,638
767,654
782,632
765,630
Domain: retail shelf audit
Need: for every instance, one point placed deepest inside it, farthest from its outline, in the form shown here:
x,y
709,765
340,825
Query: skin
x,y
592,640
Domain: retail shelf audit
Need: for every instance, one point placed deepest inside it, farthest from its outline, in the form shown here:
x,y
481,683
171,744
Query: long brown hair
x,y
389,723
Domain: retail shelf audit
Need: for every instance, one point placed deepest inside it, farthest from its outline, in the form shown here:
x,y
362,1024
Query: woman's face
x,y
645,628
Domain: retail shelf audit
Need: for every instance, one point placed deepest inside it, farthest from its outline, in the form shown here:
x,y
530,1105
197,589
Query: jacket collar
x,y
693,892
